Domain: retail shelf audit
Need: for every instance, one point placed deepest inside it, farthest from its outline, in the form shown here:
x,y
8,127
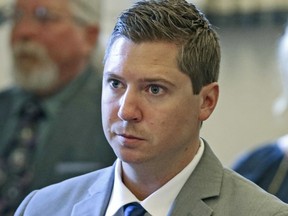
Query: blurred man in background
x,y
267,165
50,121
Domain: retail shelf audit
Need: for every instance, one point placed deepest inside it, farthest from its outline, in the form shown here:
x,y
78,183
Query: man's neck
x,y
145,178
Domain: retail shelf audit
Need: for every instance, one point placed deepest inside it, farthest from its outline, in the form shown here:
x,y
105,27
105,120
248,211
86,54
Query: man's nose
x,y
25,29
129,106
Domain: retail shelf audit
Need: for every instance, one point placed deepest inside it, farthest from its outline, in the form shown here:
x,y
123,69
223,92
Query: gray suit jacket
x,y
210,190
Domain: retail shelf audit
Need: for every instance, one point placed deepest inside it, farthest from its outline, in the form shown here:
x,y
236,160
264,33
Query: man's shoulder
x,y
247,196
225,192
255,164
79,184
261,153
6,94
7,99
63,196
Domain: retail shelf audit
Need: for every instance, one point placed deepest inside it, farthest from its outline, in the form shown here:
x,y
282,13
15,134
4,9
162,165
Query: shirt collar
x,y
158,203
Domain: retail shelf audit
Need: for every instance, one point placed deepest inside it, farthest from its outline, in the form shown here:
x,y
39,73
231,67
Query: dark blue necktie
x,y
134,209
16,164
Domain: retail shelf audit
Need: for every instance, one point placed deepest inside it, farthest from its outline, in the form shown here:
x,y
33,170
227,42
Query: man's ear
x,y
91,36
209,96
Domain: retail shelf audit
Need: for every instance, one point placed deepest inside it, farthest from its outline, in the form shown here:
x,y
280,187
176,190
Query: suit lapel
x,y
205,182
99,195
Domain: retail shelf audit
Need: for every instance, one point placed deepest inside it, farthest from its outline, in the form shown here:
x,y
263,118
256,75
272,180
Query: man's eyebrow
x,y
157,80
111,74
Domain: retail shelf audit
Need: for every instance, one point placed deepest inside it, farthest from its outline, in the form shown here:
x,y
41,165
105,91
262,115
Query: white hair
x,y
89,13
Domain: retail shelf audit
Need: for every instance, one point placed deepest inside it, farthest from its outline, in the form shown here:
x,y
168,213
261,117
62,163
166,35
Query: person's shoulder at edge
x,y
258,156
66,193
8,92
8,97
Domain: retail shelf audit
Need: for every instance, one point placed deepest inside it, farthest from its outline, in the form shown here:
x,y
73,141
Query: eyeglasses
x,y
41,15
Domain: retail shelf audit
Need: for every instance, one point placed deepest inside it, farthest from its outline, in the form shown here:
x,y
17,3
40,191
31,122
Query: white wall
x,y
5,61
249,85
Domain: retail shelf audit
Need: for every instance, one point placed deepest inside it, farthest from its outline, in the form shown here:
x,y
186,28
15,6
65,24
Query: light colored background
x,y
5,79
249,80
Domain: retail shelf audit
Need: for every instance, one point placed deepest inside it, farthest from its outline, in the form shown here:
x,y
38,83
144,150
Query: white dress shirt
x,y
159,202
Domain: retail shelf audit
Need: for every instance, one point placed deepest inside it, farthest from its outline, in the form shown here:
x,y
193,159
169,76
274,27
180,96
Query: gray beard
x,y
42,75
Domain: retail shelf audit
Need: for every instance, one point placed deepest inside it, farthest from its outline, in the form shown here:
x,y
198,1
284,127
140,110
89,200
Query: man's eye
x,y
43,15
154,89
115,84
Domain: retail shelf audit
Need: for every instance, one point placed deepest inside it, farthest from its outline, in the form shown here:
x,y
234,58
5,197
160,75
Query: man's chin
x,y
36,81
28,65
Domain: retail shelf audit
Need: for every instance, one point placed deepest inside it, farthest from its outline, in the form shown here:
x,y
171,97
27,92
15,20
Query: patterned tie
x,y
16,168
134,209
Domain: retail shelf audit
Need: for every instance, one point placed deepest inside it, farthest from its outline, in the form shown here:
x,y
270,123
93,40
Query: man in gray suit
x,y
52,42
159,85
